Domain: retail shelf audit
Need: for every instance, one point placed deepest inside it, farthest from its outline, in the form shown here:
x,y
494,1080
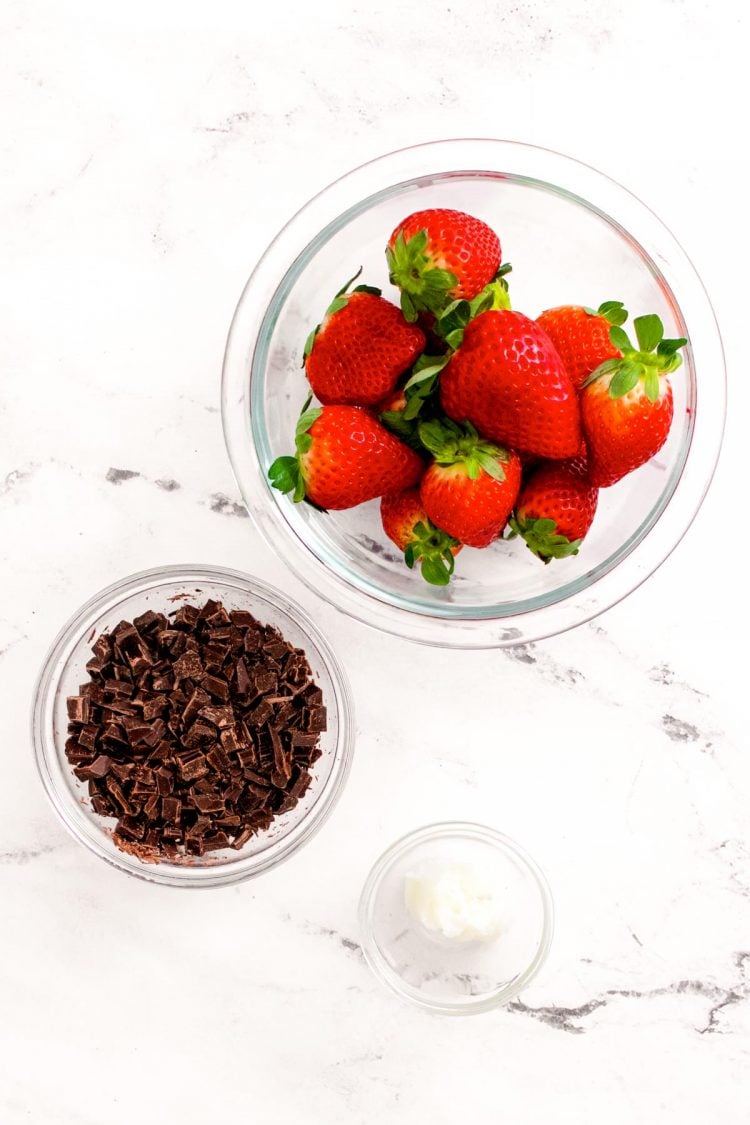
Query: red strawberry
x,y
344,457
438,255
581,336
471,486
362,346
626,404
507,380
405,522
555,509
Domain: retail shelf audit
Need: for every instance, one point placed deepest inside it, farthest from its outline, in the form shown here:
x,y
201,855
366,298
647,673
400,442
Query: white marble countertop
x,y
150,152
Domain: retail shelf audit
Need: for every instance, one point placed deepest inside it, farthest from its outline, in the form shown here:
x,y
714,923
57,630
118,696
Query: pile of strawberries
x,y
467,417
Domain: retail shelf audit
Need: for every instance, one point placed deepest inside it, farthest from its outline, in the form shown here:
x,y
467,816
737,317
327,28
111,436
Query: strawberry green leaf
x,y
589,311
483,302
620,339
441,438
670,347
336,305
457,315
346,285
649,331
603,369
409,555
306,420
285,475
417,244
625,378
440,279
614,312
490,465
309,343
455,339
435,571
404,428
429,371
371,289
651,384
408,308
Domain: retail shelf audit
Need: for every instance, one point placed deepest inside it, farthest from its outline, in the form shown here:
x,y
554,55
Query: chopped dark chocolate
x,y
194,731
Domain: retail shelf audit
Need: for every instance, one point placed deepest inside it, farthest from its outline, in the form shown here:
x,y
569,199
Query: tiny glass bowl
x,y
164,590
573,235
456,978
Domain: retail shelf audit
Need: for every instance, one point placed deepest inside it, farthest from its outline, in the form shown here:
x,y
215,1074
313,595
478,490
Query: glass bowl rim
x,y
635,561
444,830
45,743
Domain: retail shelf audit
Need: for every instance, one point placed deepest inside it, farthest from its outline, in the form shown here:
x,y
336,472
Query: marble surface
x,y
150,152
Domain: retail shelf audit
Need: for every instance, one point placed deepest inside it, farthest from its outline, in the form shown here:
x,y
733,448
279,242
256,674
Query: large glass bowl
x,y
573,236
163,590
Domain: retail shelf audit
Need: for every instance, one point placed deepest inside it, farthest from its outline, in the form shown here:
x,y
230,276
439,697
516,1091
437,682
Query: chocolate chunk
x,y
171,809
317,719
102,806
299,738
216,841
118,795
216,687
218,759
253,640
188,666
260,714
208,803
76,754
242,838
186,615
151,808
229,741
149,621
78,708
100,766
198,734
130,827
193,767
242,619
242,678
88,736
221,717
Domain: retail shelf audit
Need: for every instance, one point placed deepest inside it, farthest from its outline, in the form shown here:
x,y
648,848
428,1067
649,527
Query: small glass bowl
x,y
456,978
572,235
164,590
